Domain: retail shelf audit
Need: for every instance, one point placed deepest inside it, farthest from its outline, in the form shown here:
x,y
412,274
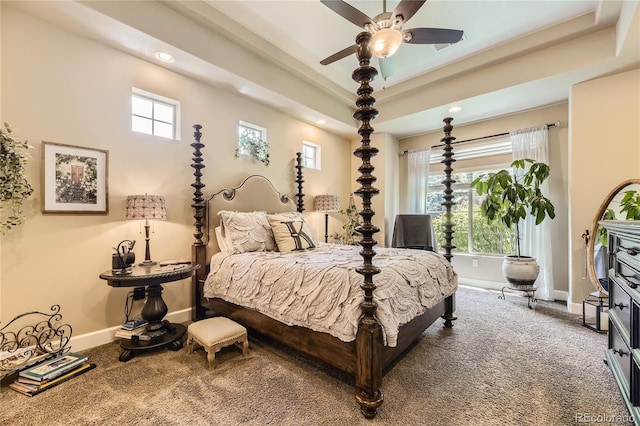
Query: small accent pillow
x,y
246,231
291,232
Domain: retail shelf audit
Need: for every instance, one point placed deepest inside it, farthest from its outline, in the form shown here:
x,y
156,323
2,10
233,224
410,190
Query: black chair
x,y
414,231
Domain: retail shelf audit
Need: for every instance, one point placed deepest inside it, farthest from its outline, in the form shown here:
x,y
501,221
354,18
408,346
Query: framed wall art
x,y
75,179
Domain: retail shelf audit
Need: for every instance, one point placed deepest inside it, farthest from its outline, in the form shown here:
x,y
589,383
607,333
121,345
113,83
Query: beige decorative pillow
x,y
291,232
246,231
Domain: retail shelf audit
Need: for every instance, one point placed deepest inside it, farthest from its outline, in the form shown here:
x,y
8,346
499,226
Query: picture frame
x,y
74,179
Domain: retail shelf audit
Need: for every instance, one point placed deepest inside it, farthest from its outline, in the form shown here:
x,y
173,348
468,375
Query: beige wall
x,y
489,271
604,150
62,88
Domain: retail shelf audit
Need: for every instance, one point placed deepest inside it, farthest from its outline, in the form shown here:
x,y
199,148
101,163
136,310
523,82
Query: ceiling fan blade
x,y
341,54
407,8
348,12
432,35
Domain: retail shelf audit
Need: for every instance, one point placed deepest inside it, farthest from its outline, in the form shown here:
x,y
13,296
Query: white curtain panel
x,y
418,176
536,240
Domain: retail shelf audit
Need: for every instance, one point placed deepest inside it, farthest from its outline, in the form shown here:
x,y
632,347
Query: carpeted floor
x,y
502,364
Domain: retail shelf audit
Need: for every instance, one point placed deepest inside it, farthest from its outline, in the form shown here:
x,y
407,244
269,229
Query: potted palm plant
x,y
509,199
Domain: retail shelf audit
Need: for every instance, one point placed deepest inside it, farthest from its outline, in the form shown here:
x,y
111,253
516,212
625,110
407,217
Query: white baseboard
x,y
102,337
494,285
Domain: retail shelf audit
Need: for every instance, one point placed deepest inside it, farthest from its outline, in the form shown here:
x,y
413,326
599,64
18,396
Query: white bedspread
x,y
309,288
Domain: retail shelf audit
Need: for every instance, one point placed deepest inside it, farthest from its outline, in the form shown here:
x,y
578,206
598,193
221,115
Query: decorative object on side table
x,y
146,207
14,187
350,235
75,179
161,332
326,204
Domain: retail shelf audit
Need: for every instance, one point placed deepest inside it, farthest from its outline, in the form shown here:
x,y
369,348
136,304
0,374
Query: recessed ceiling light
x,y
455,108
321,121
164,56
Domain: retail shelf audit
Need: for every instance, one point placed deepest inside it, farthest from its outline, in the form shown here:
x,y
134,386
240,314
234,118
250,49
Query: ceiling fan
x,y
386,29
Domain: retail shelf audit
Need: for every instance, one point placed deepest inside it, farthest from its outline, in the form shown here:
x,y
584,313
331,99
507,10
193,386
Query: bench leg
x,y
245,347
211,357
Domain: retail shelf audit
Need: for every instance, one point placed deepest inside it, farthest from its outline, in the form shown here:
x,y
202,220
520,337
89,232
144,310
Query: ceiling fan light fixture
x,y
385,42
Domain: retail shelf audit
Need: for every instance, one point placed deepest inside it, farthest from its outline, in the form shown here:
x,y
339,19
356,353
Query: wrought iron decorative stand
x,y
529,291
31,342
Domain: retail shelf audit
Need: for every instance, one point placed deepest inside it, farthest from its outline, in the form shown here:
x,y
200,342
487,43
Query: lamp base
x,y
147,263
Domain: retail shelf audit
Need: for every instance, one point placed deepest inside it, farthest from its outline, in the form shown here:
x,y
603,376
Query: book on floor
x,y
52,368
31,389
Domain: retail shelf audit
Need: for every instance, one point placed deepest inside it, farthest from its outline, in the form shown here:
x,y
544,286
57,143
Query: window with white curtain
x,y
472,233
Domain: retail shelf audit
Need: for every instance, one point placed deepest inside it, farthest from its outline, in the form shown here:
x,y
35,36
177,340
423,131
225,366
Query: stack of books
x,y
50,373
135,327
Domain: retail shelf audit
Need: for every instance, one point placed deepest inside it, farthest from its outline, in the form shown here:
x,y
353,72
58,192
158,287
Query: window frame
x,y
316,158
470,194
156,99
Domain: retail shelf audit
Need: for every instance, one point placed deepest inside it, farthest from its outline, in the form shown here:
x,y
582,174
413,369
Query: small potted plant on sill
x,y
509,199
14,187
252,145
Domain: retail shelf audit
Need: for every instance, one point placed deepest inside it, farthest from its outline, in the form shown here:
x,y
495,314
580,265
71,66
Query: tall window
x,y
472,233
310,155
154,114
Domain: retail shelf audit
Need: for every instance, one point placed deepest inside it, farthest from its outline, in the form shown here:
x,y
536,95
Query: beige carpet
x,y
502,364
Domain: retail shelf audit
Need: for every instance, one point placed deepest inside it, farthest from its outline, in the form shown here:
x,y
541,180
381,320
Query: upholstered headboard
x,y
254,193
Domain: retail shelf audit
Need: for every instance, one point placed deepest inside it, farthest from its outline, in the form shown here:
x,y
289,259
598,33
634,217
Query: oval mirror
x,y
597,254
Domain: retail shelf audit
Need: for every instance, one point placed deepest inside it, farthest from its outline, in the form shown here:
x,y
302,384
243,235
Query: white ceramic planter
x,y
520,271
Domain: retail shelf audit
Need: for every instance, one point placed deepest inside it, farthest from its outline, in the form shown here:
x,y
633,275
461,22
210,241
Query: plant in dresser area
x,y
511,198
14,187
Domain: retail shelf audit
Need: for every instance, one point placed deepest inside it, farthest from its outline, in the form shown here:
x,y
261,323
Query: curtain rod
x,y
556,124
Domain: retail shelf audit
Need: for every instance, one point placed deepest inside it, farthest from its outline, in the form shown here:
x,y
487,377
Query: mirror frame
x,y
591,269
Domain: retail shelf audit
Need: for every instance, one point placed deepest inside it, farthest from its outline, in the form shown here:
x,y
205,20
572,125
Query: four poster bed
x,y
319,298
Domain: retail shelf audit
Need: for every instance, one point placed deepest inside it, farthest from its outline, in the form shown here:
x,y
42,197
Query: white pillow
x,y
246,231
222,243
291,232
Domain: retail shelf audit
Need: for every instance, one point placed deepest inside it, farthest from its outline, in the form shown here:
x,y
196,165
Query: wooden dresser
x,y
623,353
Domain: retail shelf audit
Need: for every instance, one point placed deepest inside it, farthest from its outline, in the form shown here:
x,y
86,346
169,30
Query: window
x,y
248,131
310,155
472,232
154,114
252,141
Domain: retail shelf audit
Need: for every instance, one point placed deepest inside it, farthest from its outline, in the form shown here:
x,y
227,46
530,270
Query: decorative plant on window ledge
x,y
350,235
251,144
14,187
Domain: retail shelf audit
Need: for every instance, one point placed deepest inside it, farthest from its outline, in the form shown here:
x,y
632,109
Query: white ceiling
x,y
516,55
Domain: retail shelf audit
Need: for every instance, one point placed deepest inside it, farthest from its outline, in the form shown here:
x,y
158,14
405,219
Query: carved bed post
x,y
448,203
369,337
199,249
299,181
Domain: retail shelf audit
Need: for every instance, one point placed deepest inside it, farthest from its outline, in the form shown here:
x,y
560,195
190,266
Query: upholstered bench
x,y
214,334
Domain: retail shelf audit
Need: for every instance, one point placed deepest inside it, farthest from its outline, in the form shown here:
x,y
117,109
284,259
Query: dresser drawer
x,y
628,251
620,305
620,356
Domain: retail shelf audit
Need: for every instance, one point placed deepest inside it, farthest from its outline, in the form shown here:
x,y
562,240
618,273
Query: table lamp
x,y
146,207
326,203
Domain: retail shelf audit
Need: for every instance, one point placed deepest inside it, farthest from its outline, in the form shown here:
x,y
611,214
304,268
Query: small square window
x,y
310,155
154,114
